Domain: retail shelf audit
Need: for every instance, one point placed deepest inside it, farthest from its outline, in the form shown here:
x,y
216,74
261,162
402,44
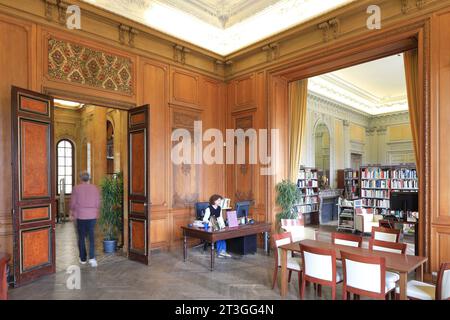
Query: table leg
x,y
419,273
403,284
284,282
212,256
185,247
266,243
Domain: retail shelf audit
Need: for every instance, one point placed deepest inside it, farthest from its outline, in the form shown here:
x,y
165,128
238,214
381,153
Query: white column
x,y
381,144
347,153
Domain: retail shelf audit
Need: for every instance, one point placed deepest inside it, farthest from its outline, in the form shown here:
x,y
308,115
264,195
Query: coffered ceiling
x,y
221,26
376,87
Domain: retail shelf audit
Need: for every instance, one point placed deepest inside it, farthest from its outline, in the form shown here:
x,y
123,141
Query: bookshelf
x,y
377,183
308,186
348,179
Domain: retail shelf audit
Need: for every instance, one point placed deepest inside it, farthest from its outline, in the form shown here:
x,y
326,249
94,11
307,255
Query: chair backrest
x,y
394,247
279,240
386,224
364,274
319,263
443,282
299,232
345,239
385,234
200,208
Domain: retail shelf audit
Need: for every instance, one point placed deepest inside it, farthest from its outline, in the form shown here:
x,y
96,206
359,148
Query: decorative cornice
x,y
324,26
335,26
179,53
272,50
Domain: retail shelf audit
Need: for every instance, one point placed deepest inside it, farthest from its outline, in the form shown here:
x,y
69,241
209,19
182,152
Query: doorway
x,y
46,159
88,138
347,53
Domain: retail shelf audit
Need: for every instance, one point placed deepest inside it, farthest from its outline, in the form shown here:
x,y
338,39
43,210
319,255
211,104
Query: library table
x,y
224,234
400,263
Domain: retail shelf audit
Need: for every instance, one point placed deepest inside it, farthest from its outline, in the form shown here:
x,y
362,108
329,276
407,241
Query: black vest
x,y
214,212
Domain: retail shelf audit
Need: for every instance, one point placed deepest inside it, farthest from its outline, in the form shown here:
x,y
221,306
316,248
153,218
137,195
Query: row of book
x,y
308,208
374,173
381,203
307,192
307,183
351,174
375,184
308,200
404,174
405,184
374,193
306,174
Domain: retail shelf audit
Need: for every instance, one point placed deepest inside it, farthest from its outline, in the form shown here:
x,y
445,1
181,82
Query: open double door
x,y
34,184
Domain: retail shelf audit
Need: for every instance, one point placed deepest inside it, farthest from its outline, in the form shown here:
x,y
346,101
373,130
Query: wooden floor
x,y
168,277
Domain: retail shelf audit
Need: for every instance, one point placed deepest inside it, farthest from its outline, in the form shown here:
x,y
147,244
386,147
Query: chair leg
x,y
302,292
274,281
319,290
300,283
290,274
355,296
393,294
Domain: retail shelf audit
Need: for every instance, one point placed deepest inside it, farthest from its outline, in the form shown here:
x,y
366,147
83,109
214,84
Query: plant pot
x,y
109,246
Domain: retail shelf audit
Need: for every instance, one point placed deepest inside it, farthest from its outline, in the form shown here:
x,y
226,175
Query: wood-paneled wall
x,y
439,124
172,92
195,89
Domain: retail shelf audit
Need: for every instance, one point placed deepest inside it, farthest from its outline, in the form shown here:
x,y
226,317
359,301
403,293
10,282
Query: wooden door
x,y
33,188
138,190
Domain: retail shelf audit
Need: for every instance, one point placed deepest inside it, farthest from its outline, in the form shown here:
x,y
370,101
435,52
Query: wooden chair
x,y
385,234
319,267
345,239
293,263
386,246
418,290
4,258
365,276
378,245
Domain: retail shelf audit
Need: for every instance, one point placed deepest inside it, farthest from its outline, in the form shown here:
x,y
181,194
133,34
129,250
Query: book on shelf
x,y
377,183
225,203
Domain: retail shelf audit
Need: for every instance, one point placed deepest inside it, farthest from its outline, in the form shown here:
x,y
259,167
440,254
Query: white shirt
x,y
208,213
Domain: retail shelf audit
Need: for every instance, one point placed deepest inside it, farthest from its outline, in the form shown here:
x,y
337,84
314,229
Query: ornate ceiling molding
x,y
346,93
222,26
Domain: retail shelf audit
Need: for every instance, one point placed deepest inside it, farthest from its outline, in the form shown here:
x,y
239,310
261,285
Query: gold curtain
x,y
298,93
412,86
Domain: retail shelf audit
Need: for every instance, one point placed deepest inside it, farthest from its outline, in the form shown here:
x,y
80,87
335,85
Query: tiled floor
x,y
167,277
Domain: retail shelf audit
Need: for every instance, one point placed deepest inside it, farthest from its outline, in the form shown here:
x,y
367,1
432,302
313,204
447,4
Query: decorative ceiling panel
x,y
221,26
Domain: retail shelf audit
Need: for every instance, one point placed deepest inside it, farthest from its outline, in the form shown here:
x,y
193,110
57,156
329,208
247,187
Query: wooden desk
x,y
224,234
402,264
4,258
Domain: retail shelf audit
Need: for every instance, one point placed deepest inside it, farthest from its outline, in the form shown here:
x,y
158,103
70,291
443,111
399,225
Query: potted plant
x,y
111,210
287,196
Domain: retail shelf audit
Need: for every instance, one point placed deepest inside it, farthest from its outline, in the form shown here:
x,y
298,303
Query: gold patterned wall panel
x,y
186,177
79,64
243,173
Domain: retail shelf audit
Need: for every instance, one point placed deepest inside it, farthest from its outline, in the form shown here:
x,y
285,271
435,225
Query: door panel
x,y
138,143
33,190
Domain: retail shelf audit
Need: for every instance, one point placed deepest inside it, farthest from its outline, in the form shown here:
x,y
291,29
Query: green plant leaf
x,y
112,204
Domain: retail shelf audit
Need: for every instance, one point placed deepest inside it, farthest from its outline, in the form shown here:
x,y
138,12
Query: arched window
x,y
65,163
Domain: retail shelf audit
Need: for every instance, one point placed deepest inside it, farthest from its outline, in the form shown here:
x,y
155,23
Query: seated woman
x,y
215,210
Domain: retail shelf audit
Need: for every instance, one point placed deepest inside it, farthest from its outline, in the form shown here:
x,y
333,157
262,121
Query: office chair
x,y
200,208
